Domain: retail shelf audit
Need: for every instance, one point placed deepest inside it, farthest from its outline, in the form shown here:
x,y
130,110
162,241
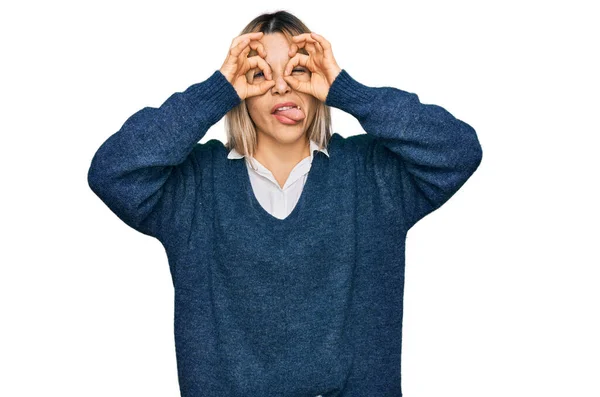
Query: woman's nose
x,y
281,86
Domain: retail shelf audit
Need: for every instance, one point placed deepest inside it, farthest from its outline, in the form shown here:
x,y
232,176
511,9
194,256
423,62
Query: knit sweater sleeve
x,y
144,171
420,155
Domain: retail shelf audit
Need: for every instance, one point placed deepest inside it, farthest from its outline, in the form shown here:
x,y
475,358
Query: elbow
x,y
477,154
472,150
95,177
92,177
93,180
474,156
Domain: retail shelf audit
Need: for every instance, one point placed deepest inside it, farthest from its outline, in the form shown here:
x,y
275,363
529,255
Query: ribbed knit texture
x,y
308,305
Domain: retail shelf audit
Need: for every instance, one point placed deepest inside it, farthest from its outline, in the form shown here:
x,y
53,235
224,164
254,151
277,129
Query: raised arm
x,y
145,171
421,153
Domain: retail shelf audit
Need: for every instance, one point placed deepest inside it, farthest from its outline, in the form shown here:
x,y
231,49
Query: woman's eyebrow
x,y
269,64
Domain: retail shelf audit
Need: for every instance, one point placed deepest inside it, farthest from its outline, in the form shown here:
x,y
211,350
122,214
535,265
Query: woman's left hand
x,y
320,61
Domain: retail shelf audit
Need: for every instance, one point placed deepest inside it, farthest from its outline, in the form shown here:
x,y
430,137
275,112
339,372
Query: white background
x,y
502,282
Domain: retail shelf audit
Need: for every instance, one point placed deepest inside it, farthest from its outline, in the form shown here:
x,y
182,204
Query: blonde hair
x,y
239,127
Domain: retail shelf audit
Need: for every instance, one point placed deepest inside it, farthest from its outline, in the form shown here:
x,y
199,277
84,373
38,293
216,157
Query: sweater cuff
x,y
345,93
214,97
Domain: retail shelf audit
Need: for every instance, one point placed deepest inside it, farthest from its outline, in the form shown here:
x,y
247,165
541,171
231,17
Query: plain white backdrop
x,y
502,294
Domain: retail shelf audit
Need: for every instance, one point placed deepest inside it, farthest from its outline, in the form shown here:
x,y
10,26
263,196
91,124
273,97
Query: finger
x,y
266,85
311,49
241,63
292,63
316,40
319,47
297,85
246,36
306,40
258,62
325,45
302,41
303,37
240,42
248,62
293,50
321,40
261,88
307,43
258,47
245,50
298,59
239,48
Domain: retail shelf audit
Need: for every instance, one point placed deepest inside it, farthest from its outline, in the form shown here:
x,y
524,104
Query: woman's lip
x,y
279,105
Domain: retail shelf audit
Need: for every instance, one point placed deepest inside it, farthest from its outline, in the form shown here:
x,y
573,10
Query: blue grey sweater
x,y
308,305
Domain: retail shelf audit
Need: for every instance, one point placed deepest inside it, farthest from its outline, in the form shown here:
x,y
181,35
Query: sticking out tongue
x,y
293,113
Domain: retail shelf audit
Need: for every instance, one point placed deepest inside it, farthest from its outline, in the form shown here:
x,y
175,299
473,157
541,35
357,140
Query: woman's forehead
x,y
276,53
277,46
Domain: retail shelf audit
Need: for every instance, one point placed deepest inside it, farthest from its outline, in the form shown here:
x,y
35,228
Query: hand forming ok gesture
x,y
238,63
320,62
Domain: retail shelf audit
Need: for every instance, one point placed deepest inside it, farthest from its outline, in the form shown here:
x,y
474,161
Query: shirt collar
x,y
234,154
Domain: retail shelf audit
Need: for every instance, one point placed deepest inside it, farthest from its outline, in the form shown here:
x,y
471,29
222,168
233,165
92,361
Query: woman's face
x,y
278,128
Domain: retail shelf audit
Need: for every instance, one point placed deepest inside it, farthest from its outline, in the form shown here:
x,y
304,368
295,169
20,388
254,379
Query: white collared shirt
x,y
278,201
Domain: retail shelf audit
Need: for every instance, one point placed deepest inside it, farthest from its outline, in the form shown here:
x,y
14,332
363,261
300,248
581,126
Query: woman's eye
x,y
300,70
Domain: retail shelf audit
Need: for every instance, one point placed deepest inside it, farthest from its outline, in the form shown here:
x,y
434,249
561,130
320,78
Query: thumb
x,y
261,88
297,84
266,85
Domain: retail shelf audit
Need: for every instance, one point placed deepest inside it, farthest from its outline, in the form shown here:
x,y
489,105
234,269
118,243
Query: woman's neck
x,y
281,159
279,155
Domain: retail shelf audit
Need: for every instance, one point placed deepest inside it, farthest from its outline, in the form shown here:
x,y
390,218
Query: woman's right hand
x,y
238,63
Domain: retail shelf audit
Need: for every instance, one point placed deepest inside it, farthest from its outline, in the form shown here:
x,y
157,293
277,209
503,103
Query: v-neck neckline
x,y
298,212
292,178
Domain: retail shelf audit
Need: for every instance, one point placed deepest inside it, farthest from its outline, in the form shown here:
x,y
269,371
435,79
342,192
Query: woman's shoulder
x,y
214,151
353,143
209,153
212,146
364,150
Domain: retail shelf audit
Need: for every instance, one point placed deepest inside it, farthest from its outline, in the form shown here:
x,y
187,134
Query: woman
x,y
302,298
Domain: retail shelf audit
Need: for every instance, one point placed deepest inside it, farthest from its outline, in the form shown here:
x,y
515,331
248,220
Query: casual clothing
x,y
278,201
303,306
